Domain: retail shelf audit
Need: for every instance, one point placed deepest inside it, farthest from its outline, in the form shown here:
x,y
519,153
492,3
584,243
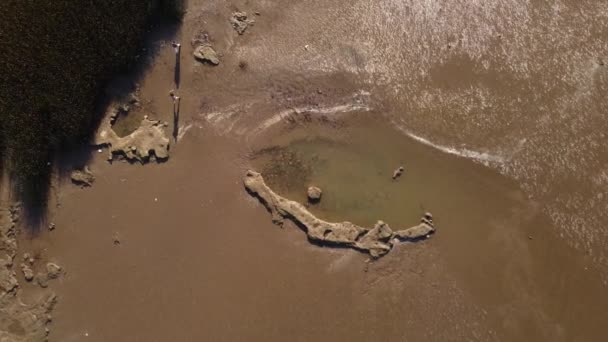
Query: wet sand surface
x,y
328,97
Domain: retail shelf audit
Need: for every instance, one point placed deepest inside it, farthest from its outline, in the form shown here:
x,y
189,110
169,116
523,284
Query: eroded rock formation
x,y
377,241
82,177
314,194
205,53
240,22
147,140
19,322
398,172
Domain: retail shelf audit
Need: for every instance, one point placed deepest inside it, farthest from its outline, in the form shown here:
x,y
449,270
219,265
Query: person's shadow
x,y
176,119
176,73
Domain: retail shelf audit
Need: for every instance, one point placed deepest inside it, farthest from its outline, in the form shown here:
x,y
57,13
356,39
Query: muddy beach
x,y
315,94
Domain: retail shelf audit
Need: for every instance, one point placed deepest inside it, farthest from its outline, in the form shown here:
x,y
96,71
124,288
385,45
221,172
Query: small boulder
x,y
27,257
8,281
133,99
240,22
427,218
398,172
42,279
53,270
28,274
82,177
116,238
314,194
206,53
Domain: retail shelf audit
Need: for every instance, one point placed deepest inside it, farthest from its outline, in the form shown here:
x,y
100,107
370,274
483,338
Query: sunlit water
x,y
497,242
516,85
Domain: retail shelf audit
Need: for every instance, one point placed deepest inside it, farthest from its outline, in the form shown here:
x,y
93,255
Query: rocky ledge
x,y
82,177
19,322
206,53
376,241
147,140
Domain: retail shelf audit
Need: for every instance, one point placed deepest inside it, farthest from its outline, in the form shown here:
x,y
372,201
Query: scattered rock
x,y
53,270
28,258
134,99
8,250
205,53
377,241
42,279
201,38
6,262
240,22
82,177
124,108
116,238
421,231
8,242
314,194
26,322
52,226
428,218
8,282
28,274
398,172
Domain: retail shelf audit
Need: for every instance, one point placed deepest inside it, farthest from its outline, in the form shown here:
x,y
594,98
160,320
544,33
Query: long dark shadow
x,y
177,72
175,119
76,153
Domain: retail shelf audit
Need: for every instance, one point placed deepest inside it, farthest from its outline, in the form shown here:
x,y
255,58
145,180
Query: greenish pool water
x,y
494,239
355,170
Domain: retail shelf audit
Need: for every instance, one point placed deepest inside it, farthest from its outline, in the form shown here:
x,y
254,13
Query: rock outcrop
x,y
398,172
82,177
19,322
28,274
377,241
314,194
205,53
53,271
147,140
240,22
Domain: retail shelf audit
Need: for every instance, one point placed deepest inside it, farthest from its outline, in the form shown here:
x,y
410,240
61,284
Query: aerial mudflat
x,y
388,170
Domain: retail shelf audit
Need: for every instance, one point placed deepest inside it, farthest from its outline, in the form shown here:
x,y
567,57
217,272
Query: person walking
x,y
177,46
174,97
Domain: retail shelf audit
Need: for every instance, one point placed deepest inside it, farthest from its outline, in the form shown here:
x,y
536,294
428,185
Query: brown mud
x,y
316,93
194,245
